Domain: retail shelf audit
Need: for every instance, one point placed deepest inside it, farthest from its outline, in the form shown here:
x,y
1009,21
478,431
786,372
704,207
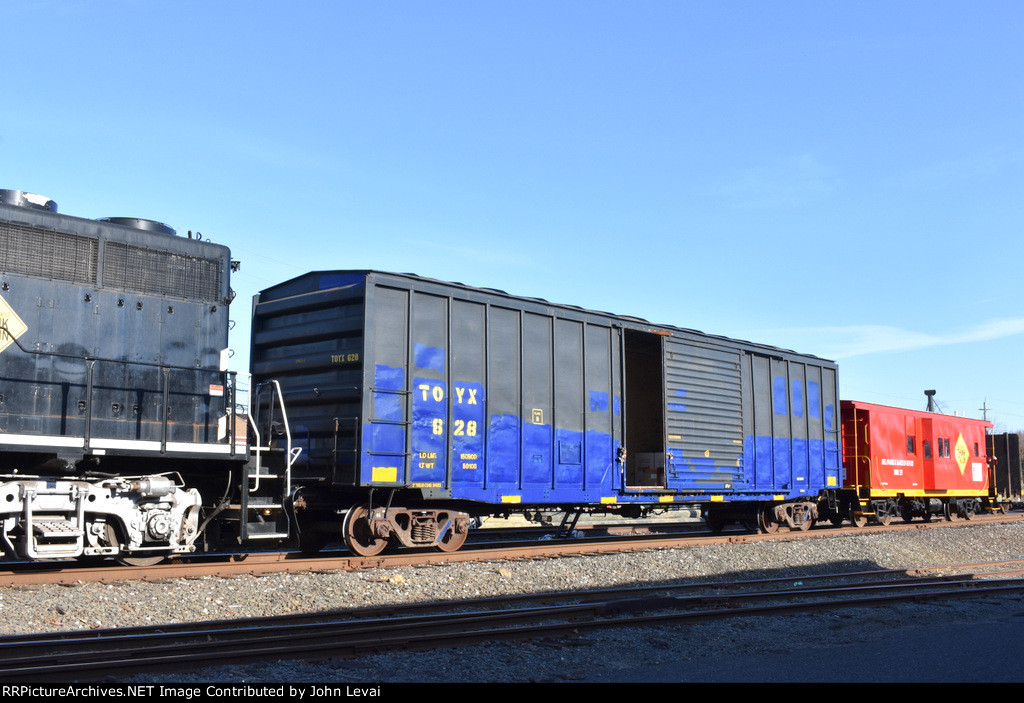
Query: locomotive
x,y
390,408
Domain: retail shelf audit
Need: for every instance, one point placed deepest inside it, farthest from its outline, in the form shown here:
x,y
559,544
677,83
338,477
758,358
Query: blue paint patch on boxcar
x,y
388,405
781,450
678,407
764,462
799,462
829,416
569,469
537,459
503,450
598,401
780,403
600,459
387,439
390,377
798,398
813,401
429,357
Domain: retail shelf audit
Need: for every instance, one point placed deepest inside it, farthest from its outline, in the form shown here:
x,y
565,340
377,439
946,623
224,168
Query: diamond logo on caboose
x,y
962,453
11,326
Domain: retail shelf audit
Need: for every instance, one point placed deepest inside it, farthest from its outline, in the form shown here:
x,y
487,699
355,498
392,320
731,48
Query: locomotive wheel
x,y
148,560
452,540
359,538
110,536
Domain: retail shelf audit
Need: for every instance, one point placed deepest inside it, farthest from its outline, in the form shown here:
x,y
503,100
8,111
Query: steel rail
x,y
323,635
291,562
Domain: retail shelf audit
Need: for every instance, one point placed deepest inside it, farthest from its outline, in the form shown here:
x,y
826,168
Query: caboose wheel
x,y
858,519
359,538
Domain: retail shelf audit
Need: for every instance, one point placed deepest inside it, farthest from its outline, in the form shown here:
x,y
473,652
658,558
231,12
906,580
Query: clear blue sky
x,y
841,178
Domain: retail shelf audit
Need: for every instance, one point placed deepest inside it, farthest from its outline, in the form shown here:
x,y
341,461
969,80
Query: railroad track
x,y
519,547
120,653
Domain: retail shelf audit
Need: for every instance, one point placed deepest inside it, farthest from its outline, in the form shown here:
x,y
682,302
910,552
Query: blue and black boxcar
x,y
421,404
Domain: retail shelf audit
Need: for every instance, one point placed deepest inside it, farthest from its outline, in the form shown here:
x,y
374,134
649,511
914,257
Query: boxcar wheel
x,y
359,538
715,523
452,540
767,520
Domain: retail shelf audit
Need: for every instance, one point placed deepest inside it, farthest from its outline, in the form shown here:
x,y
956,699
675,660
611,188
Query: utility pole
x,y
984,409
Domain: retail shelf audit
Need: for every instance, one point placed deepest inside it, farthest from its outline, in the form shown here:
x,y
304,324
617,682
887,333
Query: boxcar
x,y
428,402
1005,449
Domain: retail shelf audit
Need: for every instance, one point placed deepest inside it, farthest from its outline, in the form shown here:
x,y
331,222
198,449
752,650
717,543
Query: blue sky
x,y
841,178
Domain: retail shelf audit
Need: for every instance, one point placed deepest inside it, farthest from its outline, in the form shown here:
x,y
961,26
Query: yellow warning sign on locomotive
x,y
11,326
962,453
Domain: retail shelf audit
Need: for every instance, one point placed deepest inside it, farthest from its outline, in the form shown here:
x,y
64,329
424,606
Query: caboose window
x,y
927,450
975,449
911,448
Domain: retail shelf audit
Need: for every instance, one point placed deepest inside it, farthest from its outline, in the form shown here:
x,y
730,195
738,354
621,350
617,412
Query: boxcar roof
x,y
301,285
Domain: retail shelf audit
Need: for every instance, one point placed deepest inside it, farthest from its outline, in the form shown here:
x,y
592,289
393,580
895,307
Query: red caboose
x,y
913,463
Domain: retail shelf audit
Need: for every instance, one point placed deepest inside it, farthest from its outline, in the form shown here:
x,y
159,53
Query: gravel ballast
x,y
630,654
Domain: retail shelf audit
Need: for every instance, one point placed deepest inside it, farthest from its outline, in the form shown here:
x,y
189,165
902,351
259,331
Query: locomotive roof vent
x,y
138,223
32,201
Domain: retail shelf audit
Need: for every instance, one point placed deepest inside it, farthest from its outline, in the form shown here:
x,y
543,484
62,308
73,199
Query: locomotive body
x,y
434,394
114,407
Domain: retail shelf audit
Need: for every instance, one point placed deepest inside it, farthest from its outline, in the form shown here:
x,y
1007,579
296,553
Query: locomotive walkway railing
x,y
227,388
